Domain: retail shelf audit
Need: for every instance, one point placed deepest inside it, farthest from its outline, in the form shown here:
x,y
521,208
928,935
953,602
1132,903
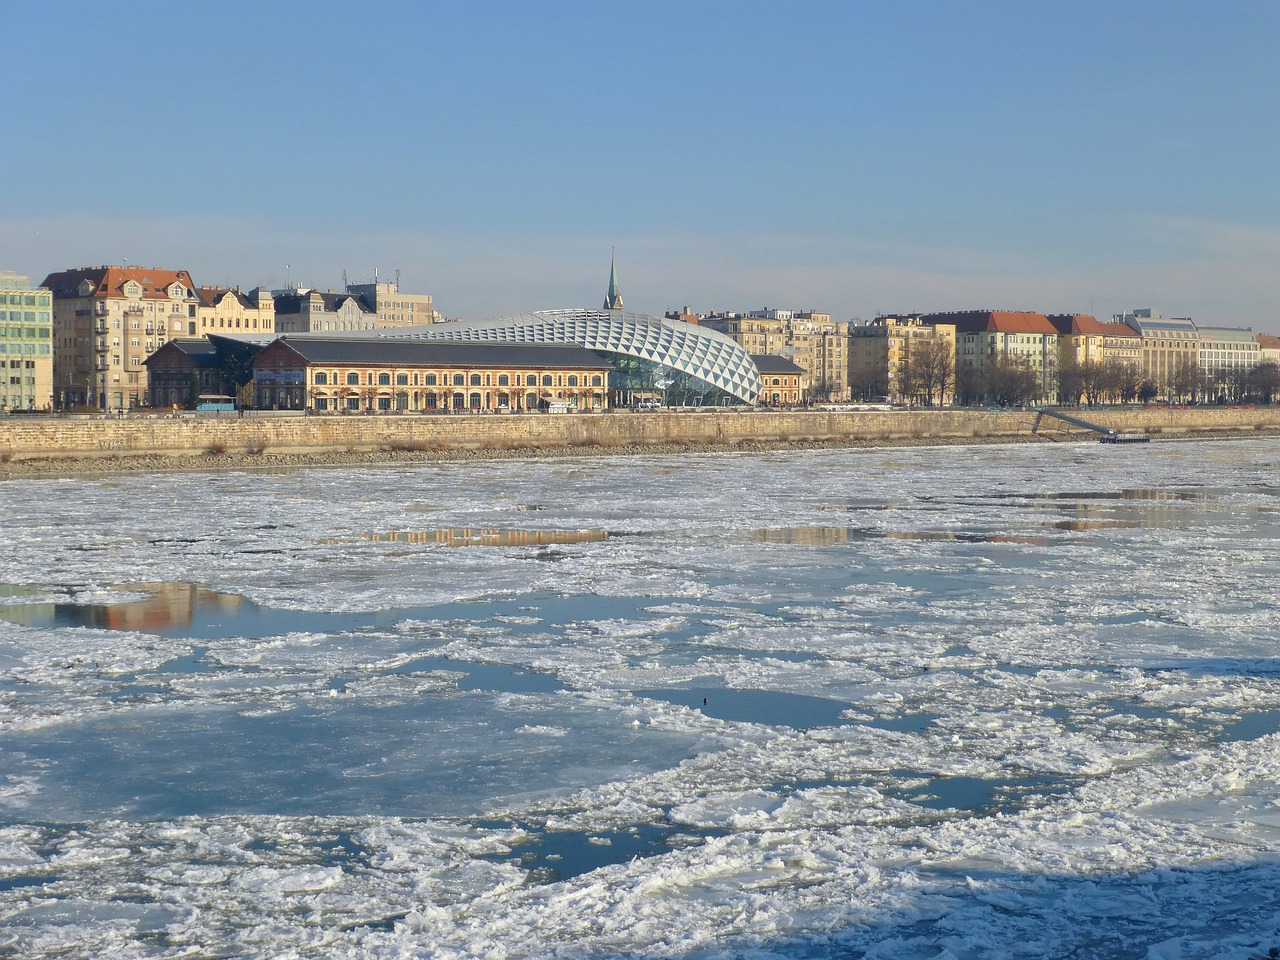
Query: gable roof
x,y
1119,330
110,281
1076,324
292,302
212,296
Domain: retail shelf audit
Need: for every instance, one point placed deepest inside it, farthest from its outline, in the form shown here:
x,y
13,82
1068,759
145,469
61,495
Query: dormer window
x,y
132,289
177,292
86,288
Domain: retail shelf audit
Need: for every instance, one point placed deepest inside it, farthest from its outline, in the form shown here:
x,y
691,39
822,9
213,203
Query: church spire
x,y
613,299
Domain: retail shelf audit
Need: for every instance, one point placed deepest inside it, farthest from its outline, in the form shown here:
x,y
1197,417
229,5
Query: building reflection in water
x,y
480,537
166,606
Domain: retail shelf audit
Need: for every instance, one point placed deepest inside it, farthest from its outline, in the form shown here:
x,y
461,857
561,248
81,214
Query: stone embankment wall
x,y
24,438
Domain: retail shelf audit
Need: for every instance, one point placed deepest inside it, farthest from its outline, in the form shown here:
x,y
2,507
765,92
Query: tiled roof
x,y
110,281
995,321
1118,330
334,350
1076,324
211,296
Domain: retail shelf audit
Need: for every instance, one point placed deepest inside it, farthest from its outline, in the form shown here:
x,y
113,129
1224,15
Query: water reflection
x,y
832,536
164,608
483,537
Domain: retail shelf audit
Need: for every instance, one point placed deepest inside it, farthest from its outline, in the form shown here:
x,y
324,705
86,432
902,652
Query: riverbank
x,y
52,446
205,461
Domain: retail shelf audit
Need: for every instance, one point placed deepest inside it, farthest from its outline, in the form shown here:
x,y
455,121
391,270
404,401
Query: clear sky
x,y
850,157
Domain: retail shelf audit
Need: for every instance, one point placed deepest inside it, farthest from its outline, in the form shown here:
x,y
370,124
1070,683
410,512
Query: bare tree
x,y
1263,381
1010,380
1185,381
931,369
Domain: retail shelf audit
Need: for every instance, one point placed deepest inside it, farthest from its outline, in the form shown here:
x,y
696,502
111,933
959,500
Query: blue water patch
x,y
494,677
551,856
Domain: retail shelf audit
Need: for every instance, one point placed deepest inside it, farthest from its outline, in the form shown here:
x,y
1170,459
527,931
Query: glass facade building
x,y
26,345
683,363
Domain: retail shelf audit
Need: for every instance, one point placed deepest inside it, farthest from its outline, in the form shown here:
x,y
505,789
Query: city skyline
x,y
854,159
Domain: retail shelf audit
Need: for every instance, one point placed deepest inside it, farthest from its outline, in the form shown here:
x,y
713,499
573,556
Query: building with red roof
x,y
107,321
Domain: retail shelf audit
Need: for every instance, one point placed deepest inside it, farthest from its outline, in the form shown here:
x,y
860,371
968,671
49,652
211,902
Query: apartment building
x,y
26,345
807,338
882,353
1080,337
107,321
311,311
1121,344
982,336
392,307
226,312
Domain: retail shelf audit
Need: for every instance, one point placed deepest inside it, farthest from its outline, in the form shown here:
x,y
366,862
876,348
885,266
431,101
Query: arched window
x,y
384,379
429,380
402,379
475,401
475,379
459,380
322,378
353,379
546,379
596,381
504,380
531,380
573,381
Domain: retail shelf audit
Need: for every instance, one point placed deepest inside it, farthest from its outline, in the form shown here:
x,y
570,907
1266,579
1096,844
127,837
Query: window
x,y
596,381
573,381
402,379
322,379
429,380
531,380
546,379
504,380
459,380
475,380
384,379
353,379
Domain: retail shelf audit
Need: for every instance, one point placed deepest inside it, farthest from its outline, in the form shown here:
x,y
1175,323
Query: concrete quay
x,y
54,444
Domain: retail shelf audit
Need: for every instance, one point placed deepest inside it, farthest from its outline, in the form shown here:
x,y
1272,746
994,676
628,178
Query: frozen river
x,y
962,702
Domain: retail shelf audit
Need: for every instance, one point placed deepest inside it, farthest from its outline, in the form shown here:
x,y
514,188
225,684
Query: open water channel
x,y
954,702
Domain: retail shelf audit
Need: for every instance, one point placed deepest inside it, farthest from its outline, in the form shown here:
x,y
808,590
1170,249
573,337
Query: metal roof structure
x,y
702,353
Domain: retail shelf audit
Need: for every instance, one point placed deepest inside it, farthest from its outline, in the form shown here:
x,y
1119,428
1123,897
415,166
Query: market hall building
x,y
328,374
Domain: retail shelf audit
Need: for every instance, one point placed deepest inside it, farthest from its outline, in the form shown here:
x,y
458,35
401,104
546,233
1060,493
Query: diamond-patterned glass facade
x,y
706,355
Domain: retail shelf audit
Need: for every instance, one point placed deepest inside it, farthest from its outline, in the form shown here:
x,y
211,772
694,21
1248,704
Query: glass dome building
x,y
681,362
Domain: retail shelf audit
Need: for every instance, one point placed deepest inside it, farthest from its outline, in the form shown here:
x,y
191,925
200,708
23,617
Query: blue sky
x,y
848,157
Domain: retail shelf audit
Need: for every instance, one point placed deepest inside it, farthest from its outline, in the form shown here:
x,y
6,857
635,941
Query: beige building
x,y
226,312
26,345
1268,348
1121,344
807,338
311,311
1170,350
391,307
330,374
1080,336
881,353
107,321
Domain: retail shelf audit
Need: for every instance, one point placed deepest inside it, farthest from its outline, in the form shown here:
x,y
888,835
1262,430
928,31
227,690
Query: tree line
x,y
927,376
